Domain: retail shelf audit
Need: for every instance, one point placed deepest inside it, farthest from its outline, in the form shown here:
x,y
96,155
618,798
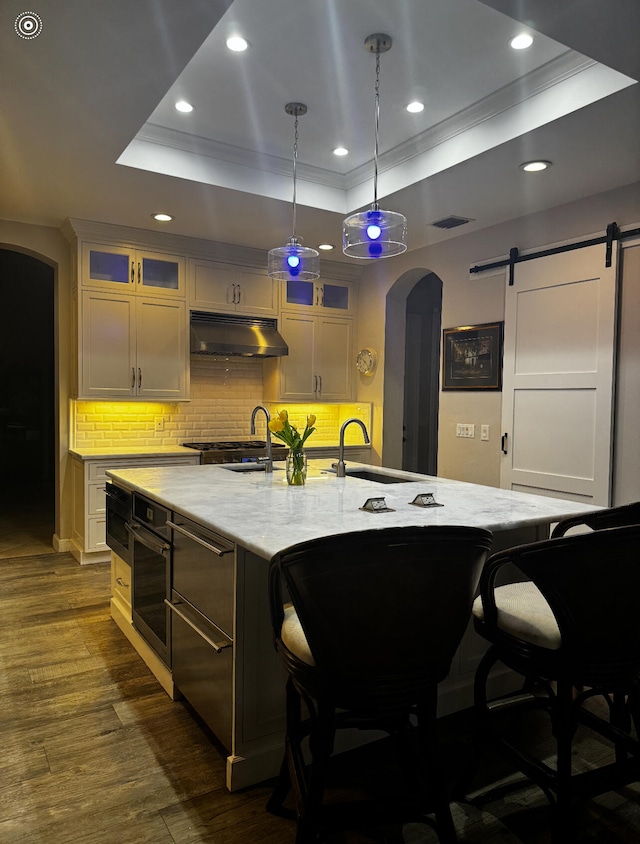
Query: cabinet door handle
x,y
239,294
121,582
320,383
133,272
139,377
233,295
133,377
503,443
139,272
315,384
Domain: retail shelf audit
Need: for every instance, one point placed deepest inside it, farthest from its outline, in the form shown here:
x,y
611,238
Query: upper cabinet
x,y
132,347
320,296
135,271
226,288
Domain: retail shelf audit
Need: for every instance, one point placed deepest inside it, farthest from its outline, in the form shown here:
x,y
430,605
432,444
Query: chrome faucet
x,y
340,465
268,463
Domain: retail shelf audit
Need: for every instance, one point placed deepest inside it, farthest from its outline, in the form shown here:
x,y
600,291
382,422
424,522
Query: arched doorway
x,y
412,372
27,410
421,376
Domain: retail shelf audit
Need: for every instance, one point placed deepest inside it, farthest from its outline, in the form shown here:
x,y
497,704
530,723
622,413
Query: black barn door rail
x,y
612,233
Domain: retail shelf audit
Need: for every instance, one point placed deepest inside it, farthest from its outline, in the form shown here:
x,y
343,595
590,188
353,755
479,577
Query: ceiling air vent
x,y
451,222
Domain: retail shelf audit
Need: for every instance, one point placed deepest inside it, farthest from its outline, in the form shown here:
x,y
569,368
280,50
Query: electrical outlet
x,y
484,432
465,430
159,420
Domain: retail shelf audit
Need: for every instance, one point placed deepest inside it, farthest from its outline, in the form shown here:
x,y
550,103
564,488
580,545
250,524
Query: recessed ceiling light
x,y
184,106
521,42
415,107
535,166
341,151
325,246
162,218
237,44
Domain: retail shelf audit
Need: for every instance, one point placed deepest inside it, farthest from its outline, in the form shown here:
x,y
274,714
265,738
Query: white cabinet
x,y
89,499
132,347
130,270
227,288
319,366
321,296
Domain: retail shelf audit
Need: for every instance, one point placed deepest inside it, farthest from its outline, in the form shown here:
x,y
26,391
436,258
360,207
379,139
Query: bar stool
x,y
572,632
366,624
609,517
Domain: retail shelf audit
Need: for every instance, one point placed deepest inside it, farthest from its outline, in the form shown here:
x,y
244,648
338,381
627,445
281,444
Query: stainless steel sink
x,y
247,467
369,475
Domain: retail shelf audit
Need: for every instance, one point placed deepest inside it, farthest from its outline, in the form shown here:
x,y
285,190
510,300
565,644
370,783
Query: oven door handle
x,y
217,646
146,538
219,551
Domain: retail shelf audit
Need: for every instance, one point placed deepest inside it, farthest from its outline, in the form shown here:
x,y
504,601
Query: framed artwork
x,y
472,357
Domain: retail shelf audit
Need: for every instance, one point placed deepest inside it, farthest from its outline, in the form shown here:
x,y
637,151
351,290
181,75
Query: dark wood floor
x,y
94,752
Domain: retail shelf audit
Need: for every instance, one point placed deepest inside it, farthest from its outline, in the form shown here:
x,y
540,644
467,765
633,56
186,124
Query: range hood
x,y
229,334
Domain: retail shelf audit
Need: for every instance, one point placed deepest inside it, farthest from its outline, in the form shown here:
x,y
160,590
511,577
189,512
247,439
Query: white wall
x,y
626,458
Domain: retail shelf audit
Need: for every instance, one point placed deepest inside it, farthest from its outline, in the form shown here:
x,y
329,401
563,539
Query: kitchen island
x,y
259,514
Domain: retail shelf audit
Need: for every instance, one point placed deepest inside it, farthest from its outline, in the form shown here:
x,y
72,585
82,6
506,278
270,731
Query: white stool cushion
x,y
293,637
524,612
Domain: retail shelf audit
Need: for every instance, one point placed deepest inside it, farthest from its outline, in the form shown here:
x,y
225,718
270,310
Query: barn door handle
x,y
503,443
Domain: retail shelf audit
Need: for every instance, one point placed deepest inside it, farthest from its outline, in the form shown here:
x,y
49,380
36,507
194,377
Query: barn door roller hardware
x,y
612,233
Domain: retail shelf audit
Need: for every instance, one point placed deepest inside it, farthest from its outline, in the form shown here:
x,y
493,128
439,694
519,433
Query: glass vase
x,y
296,468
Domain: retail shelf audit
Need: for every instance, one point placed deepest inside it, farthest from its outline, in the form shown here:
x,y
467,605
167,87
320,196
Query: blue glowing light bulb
x,y
373,231
293,261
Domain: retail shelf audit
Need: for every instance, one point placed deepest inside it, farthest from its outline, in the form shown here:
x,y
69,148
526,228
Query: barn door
x,y
559,353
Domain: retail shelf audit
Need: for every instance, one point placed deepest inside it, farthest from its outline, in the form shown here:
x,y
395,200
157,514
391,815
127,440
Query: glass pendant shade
x,y
374,234
293,261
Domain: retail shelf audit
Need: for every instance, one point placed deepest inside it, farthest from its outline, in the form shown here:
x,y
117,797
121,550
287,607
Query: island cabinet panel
x,y
260,694
228,288
319,366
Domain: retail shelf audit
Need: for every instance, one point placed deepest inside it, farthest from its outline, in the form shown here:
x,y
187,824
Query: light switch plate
x,y
484,432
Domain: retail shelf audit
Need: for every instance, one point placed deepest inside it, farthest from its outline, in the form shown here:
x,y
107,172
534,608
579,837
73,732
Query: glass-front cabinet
x,y
133,271
321,296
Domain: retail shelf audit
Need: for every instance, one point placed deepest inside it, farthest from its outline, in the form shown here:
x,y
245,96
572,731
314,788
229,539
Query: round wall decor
x,y
366,361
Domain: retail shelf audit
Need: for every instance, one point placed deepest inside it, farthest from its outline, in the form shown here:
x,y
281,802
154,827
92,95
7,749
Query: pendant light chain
x,y
377,123
295,160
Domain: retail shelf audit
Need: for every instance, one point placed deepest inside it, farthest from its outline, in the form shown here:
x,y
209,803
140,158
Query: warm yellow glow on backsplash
x,y
329,419
223,394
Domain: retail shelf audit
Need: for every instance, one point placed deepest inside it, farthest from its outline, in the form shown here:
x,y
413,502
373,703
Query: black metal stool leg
x,y
321,746
427,732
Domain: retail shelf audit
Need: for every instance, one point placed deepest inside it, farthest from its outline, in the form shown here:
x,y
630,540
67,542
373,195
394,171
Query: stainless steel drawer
x,y
202,665
203,571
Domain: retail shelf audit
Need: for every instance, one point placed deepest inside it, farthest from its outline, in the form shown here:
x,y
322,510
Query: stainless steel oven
x,y
150,573
118,515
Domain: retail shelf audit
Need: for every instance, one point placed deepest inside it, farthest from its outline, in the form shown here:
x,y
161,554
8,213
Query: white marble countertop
x,y
98,452
262,513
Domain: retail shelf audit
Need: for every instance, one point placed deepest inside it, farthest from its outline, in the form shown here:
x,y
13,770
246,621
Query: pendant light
x,y
294,262
375,233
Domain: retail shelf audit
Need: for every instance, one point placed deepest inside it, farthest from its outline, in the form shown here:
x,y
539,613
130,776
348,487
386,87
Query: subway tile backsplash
x,y
224,391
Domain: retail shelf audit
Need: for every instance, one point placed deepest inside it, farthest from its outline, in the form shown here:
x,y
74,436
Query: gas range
x,y
236,451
